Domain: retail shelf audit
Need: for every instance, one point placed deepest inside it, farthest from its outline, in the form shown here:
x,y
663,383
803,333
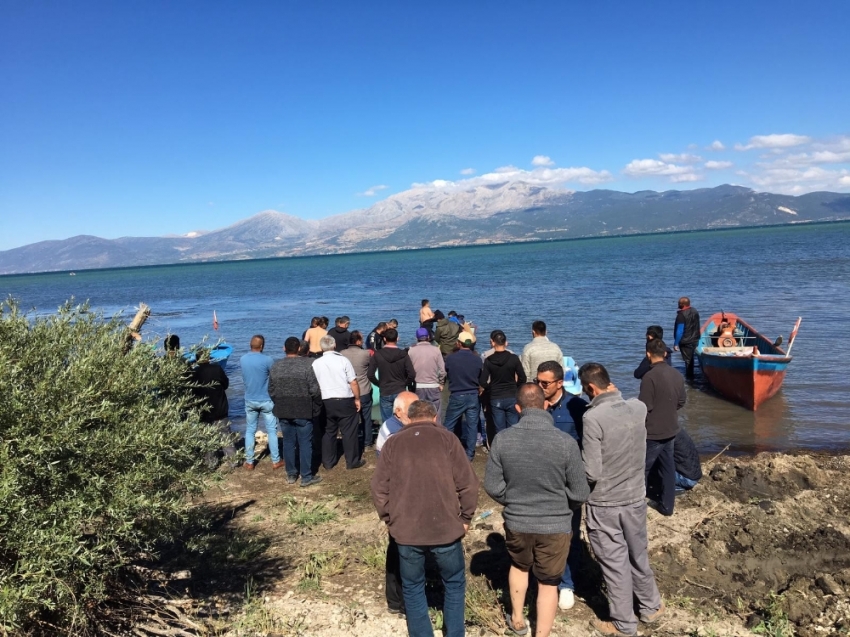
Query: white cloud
x,y
653,167
371,192
683,158
550,177
467,171
786,140
797,181
718,165
542,160
716,145
676,179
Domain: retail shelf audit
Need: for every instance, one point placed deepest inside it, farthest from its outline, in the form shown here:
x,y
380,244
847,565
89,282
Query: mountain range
x,y
427,217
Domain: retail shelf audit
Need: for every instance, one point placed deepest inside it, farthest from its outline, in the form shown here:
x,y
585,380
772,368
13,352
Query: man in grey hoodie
x,y
535,471
613,451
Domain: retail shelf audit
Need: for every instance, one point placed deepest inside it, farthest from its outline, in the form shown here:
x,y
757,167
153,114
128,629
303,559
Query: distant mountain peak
x,y
442,214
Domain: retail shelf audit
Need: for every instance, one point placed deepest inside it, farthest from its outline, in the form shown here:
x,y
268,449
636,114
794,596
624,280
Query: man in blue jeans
x,y
391,371
463,369
426,492
255,374
295,392
501,377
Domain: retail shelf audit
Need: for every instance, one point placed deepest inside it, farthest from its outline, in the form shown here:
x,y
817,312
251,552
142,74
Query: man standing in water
x,y
255,374
686,334
614,452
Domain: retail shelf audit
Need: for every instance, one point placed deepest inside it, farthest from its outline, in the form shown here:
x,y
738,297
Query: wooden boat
x,y
218,354
739,362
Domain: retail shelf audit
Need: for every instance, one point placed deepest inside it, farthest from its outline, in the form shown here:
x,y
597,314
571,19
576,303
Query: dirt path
x,y
760,544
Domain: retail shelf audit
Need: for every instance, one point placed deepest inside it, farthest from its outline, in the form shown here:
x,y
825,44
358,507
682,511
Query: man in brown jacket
x,y
424,489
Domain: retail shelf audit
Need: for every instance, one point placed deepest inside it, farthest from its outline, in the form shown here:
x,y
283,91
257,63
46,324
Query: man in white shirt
x,y
341,399
539,350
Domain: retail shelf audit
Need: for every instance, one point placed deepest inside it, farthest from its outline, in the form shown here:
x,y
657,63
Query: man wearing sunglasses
x,y
567,411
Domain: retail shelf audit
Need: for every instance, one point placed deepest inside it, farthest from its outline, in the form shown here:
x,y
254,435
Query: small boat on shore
x,y
739,362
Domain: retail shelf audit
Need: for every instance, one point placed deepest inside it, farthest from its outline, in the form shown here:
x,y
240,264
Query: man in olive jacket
x,y
424,489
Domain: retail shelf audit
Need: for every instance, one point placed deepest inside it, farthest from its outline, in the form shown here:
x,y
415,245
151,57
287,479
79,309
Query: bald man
x,y
394,424
255,374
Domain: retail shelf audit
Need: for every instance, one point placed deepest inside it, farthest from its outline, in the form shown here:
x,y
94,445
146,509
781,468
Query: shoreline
x,y
762,542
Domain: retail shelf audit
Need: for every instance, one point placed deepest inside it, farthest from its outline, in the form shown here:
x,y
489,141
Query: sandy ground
x,y
761,544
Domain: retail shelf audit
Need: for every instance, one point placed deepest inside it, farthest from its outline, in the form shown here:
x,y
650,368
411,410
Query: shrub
x,y
99,451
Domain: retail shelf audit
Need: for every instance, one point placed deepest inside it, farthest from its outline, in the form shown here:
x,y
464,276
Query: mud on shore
x,y
760,546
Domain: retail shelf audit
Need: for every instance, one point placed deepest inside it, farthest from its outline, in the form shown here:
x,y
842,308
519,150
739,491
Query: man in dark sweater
x,y
425,491
686,334
662,390
501,376
688,467
463,369
297,398
340,333
653,331
395,372
210,388
536,472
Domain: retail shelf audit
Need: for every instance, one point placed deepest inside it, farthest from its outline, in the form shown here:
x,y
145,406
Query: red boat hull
x,y
748,388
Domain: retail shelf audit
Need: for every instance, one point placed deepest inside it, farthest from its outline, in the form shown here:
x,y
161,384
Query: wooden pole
x,y
135,326
793,336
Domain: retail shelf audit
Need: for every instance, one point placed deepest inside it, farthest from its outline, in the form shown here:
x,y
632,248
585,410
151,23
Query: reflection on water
x,y
597,297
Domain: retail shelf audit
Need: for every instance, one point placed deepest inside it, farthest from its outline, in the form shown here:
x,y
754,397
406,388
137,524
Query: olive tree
x,y
100,454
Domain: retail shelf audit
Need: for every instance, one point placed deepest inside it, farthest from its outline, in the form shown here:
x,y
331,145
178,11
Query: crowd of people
x,y
550,451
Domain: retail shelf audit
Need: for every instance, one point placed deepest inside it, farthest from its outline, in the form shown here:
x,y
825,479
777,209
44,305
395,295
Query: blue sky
x,y
152,118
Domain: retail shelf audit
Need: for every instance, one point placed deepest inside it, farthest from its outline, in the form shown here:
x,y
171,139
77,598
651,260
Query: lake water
x,y
597,296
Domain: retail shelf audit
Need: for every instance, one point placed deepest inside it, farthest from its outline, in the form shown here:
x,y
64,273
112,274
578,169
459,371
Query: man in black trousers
x,y
341,399
662,390
686,333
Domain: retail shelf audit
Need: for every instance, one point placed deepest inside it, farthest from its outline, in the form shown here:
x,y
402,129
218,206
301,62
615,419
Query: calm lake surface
x,y
597,296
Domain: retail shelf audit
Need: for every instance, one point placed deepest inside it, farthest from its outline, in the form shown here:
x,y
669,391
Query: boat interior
x,y
733,337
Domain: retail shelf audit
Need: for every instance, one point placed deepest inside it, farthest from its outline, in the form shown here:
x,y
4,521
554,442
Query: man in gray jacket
x,y
535,471
614,451
294,389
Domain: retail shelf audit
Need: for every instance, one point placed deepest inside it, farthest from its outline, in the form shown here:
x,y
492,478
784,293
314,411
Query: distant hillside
x,y
421,218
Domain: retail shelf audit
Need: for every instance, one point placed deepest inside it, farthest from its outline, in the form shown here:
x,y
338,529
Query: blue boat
x,y
571,382
218,354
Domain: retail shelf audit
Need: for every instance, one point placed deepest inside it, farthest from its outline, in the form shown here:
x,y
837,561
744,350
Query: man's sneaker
x,y
361,463
311,481
651,618
566,599
291,479
607,628
278,465
249,466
